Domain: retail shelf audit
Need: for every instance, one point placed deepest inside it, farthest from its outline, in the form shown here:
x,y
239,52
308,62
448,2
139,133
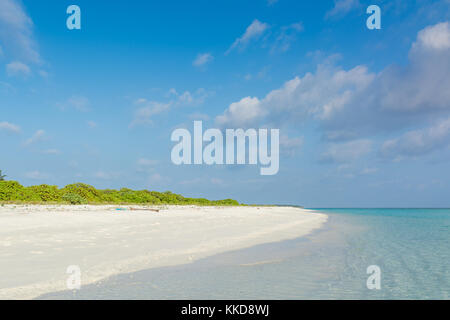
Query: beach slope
x,y
39,243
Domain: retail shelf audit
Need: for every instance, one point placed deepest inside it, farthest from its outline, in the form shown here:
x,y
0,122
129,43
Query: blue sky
x,y
364,115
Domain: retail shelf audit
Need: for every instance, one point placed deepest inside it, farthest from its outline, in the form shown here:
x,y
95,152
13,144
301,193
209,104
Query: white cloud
x,y
202,59
9,127
418,142
16,32
36,137
253,31
17,68
435,37
356,103
342,7
241,113
320,94
347,152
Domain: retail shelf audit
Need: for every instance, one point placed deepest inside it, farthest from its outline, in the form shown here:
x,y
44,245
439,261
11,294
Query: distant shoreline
x,y
12,192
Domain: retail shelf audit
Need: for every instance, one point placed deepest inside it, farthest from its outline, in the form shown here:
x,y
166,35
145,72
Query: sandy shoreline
x,y
38,243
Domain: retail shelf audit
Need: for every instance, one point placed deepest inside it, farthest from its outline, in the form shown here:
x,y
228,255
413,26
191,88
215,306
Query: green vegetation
x,y
2,176
80,193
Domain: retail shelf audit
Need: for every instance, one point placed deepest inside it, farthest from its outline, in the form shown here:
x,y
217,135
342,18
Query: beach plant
x,y
86,191
46,193
80,193
14,191
74,198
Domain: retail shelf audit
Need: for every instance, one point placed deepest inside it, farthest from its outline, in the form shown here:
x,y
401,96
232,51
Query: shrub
x,y
226,202
81,193
14,191
74,198
46,193
86,191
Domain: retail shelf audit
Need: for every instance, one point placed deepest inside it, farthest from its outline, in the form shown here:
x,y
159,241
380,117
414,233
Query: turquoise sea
x,y
410,246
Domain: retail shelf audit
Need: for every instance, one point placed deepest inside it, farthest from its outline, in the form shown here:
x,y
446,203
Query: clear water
x,y
411,247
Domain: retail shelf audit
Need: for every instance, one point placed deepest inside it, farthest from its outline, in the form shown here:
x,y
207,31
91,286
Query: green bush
x,y
80,193
74,198
14,191
45,193
84,190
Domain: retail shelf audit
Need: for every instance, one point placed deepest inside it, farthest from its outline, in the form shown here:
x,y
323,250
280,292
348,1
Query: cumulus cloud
x,y
423,84
320,95
242,113
356,103
342,7
9,127
202,59
418,142
254,31
17,68
16,32
435,37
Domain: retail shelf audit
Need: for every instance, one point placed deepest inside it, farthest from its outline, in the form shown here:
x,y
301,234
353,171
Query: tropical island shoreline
x,y
41,243
12,192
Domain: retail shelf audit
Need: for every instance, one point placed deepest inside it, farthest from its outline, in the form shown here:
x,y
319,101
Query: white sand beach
x,y
39,243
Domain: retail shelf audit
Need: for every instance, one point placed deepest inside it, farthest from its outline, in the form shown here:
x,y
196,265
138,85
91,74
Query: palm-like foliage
x,y
2,176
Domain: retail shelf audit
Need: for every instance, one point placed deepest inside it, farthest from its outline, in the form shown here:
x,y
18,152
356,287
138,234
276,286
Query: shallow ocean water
x,y
410,246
